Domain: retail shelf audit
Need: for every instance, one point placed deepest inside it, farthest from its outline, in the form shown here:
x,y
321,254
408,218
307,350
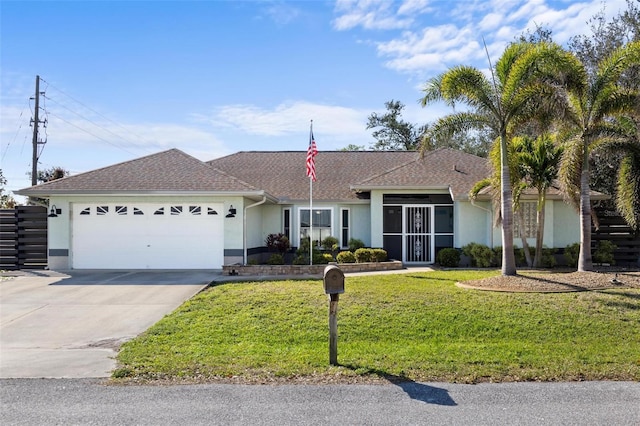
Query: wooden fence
x,y
614,228
23,238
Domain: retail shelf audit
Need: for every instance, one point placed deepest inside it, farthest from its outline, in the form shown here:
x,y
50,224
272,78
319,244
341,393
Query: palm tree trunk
x,y
523,238
537,261
508,256
585,262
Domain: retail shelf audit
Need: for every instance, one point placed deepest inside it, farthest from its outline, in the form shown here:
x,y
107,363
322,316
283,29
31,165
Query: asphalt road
x,y
91,402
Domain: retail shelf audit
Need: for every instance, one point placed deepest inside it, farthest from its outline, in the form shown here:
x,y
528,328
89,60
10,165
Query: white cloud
x,y
374,14
288,118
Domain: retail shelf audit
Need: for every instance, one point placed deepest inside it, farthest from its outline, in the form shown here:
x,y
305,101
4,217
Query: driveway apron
x,y
71,325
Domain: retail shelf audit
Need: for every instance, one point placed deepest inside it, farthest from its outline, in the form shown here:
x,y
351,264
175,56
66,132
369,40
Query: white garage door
x,y
147,236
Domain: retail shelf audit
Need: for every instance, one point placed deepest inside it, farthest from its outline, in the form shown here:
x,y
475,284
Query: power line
x,y
92,134
15,136
138,137
88,120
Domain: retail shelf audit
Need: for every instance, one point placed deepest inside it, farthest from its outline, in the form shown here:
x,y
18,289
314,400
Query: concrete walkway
x,y
72,324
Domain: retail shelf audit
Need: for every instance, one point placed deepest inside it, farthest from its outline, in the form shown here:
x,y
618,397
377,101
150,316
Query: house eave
x,y
362,188
151,193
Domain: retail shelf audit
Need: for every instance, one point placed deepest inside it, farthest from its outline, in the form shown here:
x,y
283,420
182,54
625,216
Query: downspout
x,y
244,227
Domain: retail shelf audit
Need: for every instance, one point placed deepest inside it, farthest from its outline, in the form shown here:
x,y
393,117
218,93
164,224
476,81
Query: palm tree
x,y
523,76
538,161
592,104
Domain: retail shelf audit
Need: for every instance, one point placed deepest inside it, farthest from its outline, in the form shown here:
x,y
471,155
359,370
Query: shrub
x,y
378,255
363,255
277,242
300,260
604,252
481,255
571,254
276,259
355,244
346,257
448,257
548,259
329,243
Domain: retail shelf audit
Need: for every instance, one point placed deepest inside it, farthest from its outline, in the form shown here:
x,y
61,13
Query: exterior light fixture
x,y
54,212
232,212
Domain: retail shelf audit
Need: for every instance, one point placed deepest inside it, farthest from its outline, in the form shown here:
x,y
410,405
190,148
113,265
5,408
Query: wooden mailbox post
x,y
333,281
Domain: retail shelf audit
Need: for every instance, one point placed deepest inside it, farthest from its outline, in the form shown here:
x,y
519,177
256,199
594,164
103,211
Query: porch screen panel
x,y
393,246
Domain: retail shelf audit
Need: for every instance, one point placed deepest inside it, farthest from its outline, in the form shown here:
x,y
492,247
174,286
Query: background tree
x,y
52,173
6,200
393,133
353,147
47,175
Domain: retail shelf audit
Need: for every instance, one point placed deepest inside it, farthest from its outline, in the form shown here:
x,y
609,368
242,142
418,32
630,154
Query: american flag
x,y
312,151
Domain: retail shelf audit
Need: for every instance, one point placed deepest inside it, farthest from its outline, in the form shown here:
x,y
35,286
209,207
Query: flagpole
x,y
311,205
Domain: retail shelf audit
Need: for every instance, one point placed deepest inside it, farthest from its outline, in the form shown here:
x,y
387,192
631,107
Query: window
x,y
137,212
176,210
159,212
86,211
195,210
102,210
211,211
529,213
321,224
345,234
286,223
121,210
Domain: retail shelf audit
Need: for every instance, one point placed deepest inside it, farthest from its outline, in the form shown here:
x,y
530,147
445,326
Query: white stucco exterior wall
x,y
473,224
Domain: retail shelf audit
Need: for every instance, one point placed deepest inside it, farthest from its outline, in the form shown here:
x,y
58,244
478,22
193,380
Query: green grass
x,y
405,327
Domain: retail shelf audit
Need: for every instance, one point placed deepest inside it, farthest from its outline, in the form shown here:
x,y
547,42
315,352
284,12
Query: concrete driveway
x,y
72,324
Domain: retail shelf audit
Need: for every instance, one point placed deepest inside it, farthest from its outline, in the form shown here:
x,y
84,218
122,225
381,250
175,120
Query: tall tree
x,y
607,175
592,104
521,78
392,132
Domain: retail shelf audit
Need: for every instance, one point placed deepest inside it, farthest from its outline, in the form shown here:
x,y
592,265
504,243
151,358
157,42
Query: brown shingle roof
x,y
442,168
283,173
168,171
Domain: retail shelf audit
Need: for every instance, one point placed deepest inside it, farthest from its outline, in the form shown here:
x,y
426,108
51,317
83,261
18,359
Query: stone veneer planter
x,y
263,270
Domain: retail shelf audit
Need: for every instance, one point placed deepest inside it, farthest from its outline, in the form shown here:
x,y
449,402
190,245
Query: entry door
x,y
418,234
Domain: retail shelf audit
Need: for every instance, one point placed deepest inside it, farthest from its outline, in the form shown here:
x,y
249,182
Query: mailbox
x,y
333,280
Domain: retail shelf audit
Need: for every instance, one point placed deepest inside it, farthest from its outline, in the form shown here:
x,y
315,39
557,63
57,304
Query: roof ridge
x,y
393,169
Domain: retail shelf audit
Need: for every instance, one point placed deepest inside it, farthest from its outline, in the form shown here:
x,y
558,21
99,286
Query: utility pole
x,y
35,122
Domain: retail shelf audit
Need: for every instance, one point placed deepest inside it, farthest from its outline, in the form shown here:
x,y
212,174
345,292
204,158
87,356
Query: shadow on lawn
x,y
418,391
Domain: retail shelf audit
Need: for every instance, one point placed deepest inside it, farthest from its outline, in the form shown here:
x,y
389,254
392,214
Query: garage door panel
x,y
153,236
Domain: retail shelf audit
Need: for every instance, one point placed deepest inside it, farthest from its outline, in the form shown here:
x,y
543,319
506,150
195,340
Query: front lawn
x,y
415,326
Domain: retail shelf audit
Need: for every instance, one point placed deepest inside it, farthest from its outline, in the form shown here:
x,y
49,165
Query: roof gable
x,y
443,168
167,171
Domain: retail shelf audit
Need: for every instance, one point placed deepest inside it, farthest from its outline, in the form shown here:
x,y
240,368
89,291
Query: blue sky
x,y
123,79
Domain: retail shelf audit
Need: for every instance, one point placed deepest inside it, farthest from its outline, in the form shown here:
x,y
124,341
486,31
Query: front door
x,y
417,235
